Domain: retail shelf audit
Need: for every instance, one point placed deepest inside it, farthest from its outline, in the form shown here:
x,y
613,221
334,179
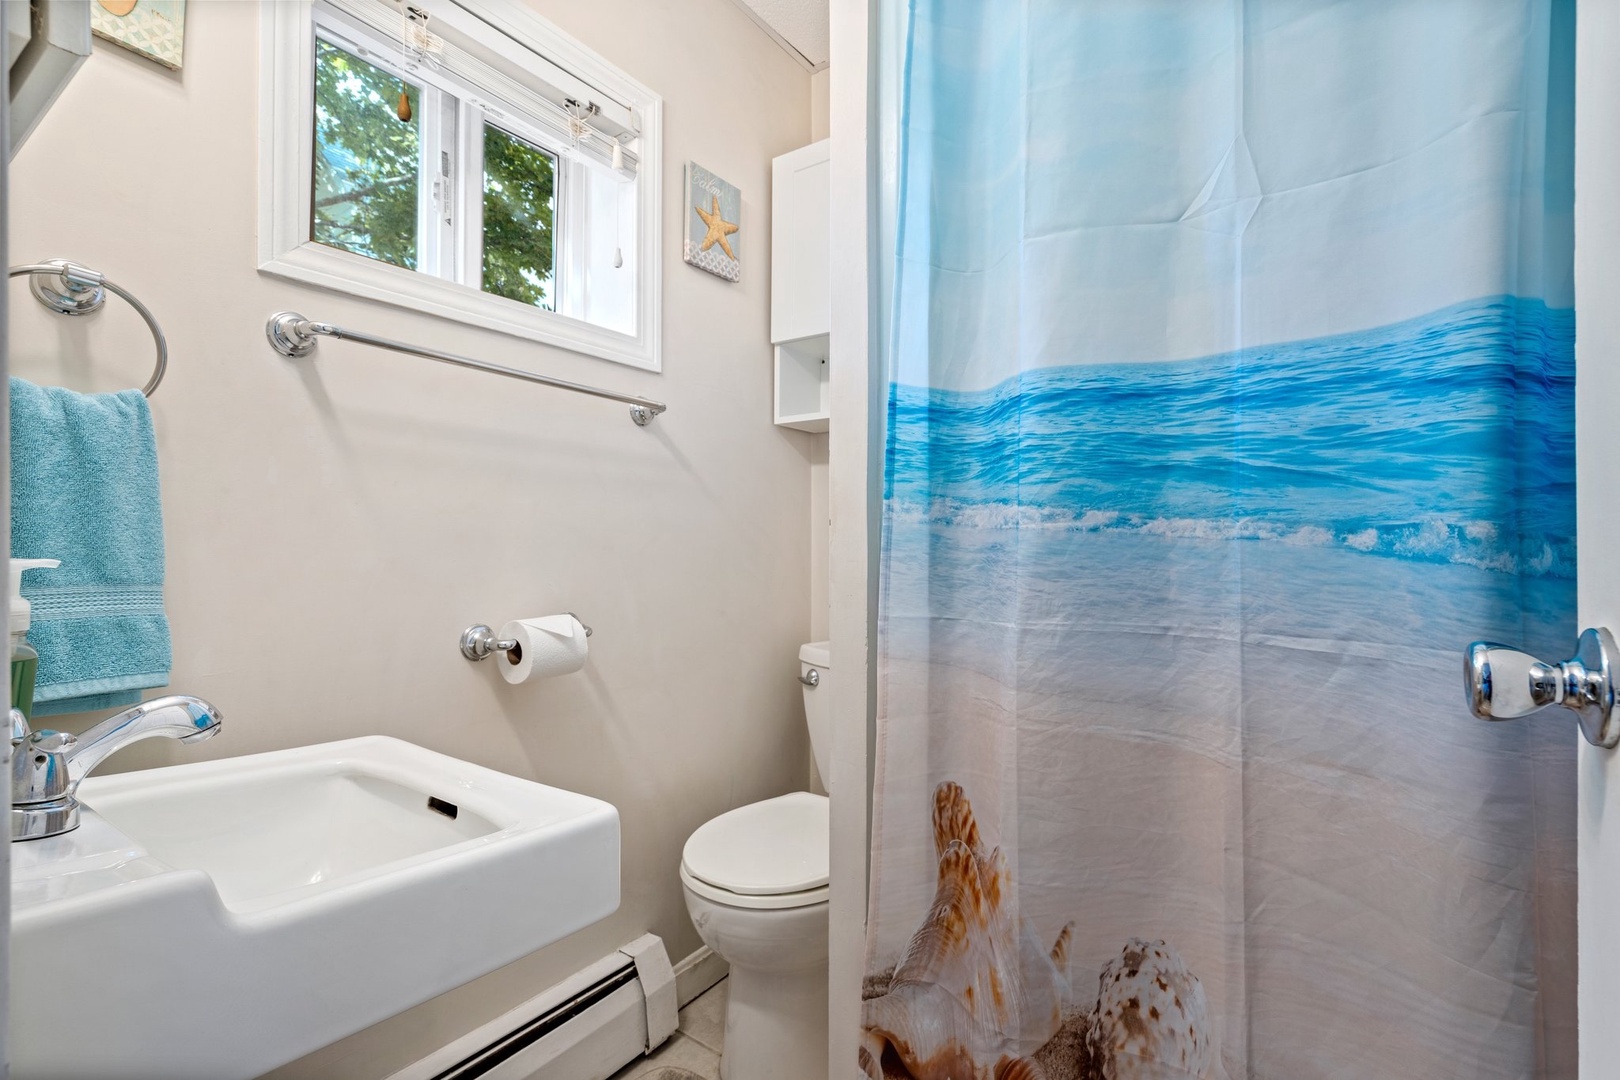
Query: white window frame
x,y
286,165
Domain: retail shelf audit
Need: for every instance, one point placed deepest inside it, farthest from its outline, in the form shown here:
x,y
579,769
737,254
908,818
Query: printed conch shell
x,y
976,992
1151,1021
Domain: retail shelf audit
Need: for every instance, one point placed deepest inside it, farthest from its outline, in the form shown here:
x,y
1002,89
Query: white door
x,y
1502,674
1597,435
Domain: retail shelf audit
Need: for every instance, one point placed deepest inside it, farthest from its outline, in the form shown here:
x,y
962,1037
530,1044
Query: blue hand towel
x,y
84,489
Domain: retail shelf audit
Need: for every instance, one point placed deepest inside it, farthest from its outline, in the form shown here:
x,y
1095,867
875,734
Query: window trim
x,y
286,162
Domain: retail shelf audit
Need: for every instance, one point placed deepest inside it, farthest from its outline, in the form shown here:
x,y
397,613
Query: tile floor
x,y
695,1047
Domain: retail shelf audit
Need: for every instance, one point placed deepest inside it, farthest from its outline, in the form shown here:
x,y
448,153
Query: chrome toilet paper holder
x,y
478,641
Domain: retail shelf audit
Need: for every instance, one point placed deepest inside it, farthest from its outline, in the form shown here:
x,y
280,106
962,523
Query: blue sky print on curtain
x,y
1232,363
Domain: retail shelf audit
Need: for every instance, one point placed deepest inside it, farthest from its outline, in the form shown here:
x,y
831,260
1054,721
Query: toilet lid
x,y
763,849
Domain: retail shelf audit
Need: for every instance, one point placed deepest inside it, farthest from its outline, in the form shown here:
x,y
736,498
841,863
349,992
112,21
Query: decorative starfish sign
x,y
708,240
719,227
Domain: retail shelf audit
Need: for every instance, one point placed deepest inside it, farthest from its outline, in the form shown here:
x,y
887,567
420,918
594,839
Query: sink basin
x,y
219,919
313,829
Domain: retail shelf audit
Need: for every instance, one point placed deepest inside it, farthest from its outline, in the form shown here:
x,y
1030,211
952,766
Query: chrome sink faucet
x,y
46,766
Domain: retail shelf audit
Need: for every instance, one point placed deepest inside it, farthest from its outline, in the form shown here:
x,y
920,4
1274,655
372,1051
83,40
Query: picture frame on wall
x,y
713,221
155,29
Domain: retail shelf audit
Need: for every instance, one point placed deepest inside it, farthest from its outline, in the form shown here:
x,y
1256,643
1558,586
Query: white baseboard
x,y
697,973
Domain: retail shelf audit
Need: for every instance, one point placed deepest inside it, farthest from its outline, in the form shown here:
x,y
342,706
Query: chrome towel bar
x,y
292,335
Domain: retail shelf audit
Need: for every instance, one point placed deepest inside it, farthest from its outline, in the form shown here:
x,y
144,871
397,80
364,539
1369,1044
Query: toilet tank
x,y
817,703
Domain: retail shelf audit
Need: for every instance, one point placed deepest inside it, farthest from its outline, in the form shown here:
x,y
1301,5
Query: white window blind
x,y
540,101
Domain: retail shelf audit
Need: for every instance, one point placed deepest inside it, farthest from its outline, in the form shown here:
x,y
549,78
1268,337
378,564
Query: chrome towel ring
x,y
69,289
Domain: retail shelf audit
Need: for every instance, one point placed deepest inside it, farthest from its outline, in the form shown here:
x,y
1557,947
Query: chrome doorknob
x,y
1502,683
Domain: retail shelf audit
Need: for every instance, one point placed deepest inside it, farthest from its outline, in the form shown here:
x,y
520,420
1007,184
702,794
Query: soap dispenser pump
x,y
24,660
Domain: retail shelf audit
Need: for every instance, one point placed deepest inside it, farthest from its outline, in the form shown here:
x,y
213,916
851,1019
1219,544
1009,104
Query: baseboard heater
x,y
586,1027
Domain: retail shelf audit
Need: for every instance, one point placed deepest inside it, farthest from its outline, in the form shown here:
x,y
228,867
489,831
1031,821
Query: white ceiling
x,y
799,26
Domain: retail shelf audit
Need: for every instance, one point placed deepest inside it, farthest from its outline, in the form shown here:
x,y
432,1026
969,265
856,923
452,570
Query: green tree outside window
x,y
520,184
367,170
368,181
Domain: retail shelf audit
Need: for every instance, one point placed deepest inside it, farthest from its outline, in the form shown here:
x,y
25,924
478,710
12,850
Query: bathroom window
x,y
367,159
462,158
520,213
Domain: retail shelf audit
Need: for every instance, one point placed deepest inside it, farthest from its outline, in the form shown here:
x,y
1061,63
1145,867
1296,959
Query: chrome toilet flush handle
x,y
811,678
1503,683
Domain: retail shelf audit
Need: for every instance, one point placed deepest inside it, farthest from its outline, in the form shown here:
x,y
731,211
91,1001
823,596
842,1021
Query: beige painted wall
x,y
820,98
333,525
820,508
820,533
820,512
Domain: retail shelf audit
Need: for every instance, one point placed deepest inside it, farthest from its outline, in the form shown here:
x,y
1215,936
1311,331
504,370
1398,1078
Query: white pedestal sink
x,y
219,919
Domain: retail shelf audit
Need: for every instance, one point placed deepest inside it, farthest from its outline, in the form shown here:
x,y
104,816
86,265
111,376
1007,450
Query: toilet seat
x,y
770,854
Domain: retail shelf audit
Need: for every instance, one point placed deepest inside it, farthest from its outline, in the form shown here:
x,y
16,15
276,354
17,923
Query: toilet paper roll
x,y
547,645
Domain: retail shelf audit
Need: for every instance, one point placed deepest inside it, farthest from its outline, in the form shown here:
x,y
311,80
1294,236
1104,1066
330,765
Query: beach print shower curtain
x,y
1231,361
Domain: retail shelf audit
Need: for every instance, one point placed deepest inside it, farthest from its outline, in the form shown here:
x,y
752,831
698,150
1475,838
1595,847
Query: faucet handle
x,y
39,770
53,742
19,727
42,802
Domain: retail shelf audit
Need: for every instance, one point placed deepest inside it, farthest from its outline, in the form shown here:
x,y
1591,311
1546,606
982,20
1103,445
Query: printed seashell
x,y
1151,1021
876,983
976,992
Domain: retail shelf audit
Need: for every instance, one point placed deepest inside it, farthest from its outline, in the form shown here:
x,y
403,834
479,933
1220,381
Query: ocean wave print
x,y
1447,438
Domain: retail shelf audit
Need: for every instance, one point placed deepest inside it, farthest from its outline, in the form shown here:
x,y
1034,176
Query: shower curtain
x,y
1231,396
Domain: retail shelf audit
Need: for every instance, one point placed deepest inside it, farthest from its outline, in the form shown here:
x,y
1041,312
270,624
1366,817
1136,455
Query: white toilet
x,y
755,880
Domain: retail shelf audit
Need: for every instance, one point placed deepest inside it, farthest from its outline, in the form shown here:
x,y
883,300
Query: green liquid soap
x,y
24,660
24,666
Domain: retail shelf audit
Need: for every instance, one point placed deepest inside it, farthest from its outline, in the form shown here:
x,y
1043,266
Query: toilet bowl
x,y
755,880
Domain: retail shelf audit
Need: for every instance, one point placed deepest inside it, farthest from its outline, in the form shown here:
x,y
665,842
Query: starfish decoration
x,y
719,227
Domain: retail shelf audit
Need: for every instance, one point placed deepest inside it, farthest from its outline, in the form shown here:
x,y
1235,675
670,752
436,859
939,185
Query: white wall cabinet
x,y
801,310
46,41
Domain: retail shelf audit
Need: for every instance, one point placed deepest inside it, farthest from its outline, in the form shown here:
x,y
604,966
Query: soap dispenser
x,y
24,660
